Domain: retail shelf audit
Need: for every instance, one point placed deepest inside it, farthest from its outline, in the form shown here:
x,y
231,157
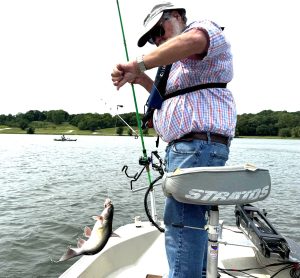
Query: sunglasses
x,y
158,30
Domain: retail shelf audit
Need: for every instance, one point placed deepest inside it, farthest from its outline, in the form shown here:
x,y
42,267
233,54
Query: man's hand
x,y
125,73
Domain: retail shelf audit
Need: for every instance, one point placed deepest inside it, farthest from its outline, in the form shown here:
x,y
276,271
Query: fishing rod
x,y
145,157
136,135
127,125
117,115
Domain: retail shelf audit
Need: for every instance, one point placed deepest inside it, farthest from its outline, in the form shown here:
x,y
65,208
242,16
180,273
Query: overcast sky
x,y
58,54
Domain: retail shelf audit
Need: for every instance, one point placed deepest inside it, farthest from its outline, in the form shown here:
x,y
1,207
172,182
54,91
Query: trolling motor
x,y
260,231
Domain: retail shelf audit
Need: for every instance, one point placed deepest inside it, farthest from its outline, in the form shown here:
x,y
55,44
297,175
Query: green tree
x,y
296,132
246,126
75,119
284,132
20,121
262,130
129,118
287,120
2,119
23,124
106,120
267,120
120,130
89,122
266,123
57,116
30,130
35,115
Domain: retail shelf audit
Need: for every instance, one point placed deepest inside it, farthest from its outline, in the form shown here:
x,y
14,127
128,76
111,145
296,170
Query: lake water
x,y
49,191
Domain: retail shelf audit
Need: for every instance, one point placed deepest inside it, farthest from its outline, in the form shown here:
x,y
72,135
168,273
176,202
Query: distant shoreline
x,y
69,130
58,131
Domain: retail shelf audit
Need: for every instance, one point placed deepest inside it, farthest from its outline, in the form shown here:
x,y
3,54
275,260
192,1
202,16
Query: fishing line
x,y
107,192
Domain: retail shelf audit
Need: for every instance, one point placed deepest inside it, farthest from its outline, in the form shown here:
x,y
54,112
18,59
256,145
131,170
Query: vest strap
x,y
194,88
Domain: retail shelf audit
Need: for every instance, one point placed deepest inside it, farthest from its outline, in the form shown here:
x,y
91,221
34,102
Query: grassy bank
x,y
67,129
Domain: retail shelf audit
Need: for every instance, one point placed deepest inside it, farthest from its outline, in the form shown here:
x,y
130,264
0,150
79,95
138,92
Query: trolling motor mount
x,y
260,231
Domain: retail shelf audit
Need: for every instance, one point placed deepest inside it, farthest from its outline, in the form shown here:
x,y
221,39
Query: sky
x,y
59,54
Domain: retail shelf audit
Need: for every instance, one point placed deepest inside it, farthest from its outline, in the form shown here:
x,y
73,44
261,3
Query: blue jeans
x,y
185,247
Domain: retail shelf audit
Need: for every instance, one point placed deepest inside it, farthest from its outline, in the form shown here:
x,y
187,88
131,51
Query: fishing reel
x,y
146,162
156,166
160,163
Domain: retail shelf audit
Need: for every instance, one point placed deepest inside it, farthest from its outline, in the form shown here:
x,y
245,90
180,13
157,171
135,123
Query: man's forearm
x,y
175,49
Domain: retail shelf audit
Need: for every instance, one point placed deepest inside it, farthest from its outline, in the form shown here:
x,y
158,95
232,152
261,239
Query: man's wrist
x,y
140,63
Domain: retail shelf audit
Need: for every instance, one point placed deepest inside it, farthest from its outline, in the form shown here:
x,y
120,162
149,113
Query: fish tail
x,y
69,254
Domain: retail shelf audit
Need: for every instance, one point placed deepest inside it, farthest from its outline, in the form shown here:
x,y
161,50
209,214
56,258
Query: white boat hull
x,y
141,251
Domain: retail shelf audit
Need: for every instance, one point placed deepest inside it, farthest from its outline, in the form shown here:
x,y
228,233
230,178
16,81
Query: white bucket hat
x,y
153,17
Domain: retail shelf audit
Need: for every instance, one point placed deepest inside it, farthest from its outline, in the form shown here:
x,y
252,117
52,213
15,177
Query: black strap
x,y
161,78
195,88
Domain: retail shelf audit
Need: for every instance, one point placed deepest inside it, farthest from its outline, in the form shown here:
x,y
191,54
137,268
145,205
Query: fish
x,y
97,237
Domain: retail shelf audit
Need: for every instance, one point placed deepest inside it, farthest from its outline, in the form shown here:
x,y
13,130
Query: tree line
x,y
264,123
87,121
269,123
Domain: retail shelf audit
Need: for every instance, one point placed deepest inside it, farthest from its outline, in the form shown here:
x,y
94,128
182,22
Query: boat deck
x,y
140,251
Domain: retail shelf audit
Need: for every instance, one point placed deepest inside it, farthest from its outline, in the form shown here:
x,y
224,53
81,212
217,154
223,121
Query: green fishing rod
x,y
145,157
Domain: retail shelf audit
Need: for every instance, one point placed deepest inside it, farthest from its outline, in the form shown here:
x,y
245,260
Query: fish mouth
x,y
107,203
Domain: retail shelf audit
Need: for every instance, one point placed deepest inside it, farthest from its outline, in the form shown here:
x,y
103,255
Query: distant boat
x,y
63,138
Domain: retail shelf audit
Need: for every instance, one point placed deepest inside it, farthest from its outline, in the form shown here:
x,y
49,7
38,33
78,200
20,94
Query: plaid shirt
x,y
209,110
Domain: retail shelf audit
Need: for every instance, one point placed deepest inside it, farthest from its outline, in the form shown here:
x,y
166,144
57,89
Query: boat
x,y
63,139
252,247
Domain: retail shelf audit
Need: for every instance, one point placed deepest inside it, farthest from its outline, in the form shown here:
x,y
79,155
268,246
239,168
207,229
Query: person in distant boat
x,y
63,137
193,111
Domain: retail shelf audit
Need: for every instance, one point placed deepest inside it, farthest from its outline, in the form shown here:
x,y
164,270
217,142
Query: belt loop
x,y
208,137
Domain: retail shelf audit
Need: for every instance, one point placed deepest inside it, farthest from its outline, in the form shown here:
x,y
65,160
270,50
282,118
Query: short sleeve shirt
x,y
206,110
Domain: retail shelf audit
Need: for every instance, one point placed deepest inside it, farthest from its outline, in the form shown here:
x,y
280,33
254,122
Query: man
x,y
198,122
